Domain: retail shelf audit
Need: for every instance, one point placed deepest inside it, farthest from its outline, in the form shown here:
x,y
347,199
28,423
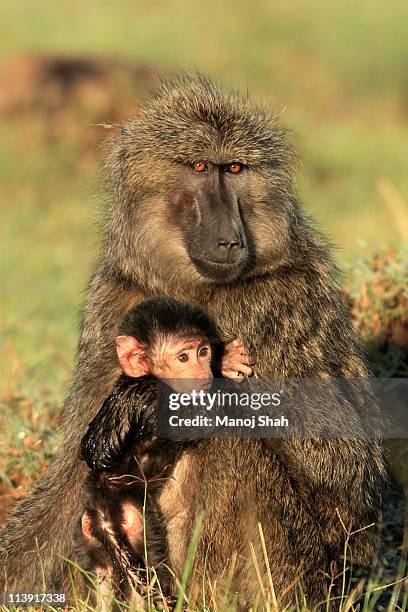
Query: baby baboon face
x,y
184,362
168,339
183,358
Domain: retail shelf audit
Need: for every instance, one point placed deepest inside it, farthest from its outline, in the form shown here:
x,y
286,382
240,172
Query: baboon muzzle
x,y
218,245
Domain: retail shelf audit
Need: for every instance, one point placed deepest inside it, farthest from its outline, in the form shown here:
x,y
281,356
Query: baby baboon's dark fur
x,y
143,464
281,299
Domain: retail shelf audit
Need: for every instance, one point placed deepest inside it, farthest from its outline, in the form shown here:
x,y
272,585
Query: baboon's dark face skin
x,y
209,212
191,228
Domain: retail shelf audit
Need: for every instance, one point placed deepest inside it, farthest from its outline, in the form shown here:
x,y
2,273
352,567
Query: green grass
x,y
362,44
196,593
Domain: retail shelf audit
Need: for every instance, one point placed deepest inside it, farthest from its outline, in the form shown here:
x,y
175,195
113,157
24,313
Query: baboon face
x,y
206,182
208,210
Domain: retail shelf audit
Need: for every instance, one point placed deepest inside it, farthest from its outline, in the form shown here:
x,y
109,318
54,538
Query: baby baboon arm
x,y
129,412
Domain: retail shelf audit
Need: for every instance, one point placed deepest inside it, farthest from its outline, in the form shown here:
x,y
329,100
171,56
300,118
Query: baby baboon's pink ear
x,y
132,356
132,522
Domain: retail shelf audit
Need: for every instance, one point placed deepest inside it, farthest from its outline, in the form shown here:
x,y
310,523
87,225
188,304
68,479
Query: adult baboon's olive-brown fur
x,y
286,308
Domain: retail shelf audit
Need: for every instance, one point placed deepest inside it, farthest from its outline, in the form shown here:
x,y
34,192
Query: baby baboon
x,y
122,523
204,209
122,532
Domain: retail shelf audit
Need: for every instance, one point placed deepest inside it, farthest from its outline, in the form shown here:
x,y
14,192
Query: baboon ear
x,y
132,522
132,356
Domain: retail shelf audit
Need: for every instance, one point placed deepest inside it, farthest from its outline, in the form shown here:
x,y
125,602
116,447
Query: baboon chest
x,y
225,479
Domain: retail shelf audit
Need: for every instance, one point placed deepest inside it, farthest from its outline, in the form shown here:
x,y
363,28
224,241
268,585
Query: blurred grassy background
x,y
336,71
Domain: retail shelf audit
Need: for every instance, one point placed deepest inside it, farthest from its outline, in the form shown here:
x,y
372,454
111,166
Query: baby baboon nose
x,y
225,245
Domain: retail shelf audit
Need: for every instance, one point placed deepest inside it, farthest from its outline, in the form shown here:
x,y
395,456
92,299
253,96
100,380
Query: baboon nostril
x,y
222,244
228,244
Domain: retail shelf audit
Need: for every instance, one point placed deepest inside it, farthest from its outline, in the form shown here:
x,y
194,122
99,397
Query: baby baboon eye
x,y
234,168
203,351
183,357
200,166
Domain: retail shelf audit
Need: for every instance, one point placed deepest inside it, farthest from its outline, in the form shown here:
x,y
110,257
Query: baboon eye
x,y
183,357
203,351
234,168
200,166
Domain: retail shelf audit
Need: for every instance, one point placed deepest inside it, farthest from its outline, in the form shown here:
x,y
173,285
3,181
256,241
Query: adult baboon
x,y
203,208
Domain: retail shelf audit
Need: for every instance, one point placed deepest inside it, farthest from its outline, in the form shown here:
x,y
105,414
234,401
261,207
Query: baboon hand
x,y
128,413
236,363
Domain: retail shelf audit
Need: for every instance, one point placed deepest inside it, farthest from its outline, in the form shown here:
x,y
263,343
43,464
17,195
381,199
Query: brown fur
x,y
285,307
